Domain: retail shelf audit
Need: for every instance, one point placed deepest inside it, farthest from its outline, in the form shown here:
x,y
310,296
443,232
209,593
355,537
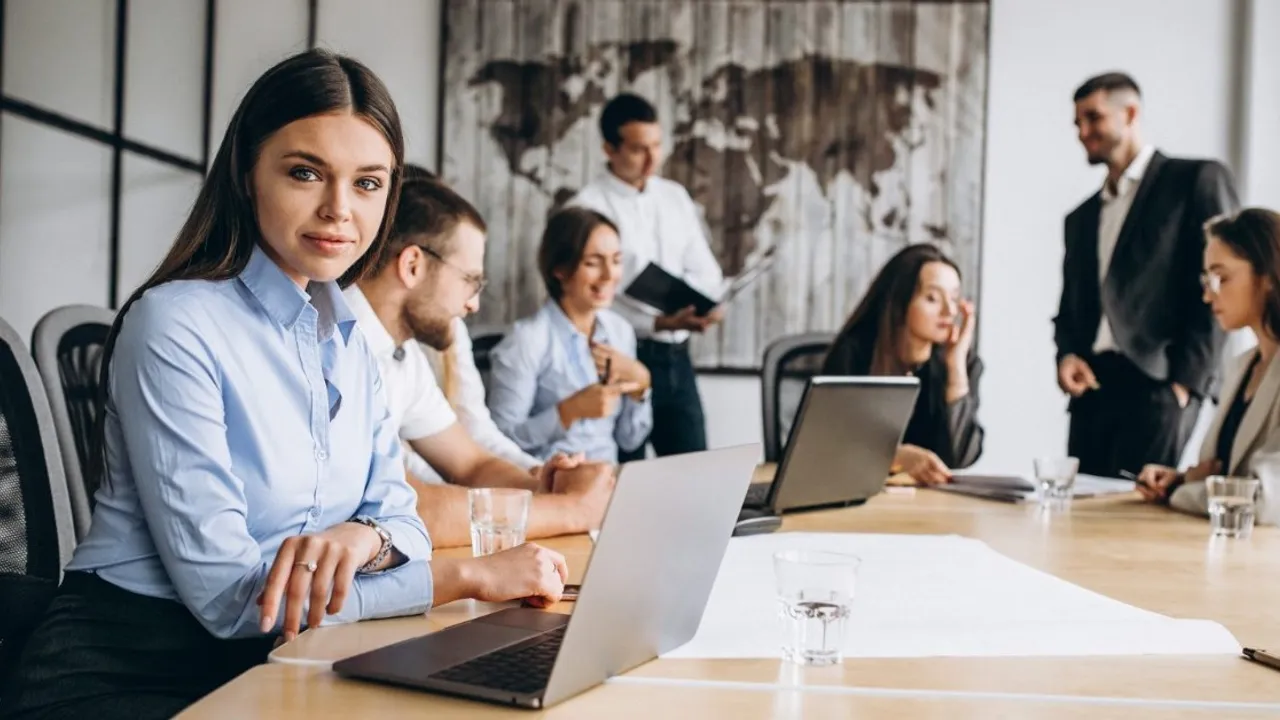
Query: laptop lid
x,y
842,443
655,560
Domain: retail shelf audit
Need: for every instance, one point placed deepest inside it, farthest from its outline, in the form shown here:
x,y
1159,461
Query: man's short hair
x,y
428,213
623,109
1110,82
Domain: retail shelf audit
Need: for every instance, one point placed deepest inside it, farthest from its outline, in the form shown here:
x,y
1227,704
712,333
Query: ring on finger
x,y
310,565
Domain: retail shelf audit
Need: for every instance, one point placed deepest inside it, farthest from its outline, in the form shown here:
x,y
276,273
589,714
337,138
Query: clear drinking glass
x,y
498,518
1056,478
1231,505
815,596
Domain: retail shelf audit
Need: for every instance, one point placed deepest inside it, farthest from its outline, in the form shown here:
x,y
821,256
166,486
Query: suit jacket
x,y
950,430
1257,437
1151,294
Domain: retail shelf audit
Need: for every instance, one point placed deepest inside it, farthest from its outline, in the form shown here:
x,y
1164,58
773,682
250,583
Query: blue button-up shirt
x,y
544,360
243,412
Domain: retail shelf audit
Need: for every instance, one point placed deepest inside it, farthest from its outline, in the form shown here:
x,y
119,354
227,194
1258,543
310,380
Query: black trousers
x,y
103,652
1129,421
679,425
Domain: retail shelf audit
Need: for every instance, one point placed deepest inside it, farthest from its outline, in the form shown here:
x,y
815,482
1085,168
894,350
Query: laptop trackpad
x,y
454,645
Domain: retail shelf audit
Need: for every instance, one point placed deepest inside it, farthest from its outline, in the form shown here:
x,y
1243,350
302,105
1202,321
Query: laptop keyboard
x,y
757,495
521,668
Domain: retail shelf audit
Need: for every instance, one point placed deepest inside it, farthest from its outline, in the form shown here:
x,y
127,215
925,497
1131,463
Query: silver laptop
x,y
644,592
841,446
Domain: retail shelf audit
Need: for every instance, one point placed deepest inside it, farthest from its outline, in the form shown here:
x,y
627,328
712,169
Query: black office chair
x,y
37,532
483,340
67,345
788,364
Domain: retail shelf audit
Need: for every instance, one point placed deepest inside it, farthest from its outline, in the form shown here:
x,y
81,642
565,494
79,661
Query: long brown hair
x,y
218,237
1253,234
875,328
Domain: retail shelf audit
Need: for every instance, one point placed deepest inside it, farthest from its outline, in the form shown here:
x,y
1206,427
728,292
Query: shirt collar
x,y
375,333
286,303
1132,175
565,327
618,186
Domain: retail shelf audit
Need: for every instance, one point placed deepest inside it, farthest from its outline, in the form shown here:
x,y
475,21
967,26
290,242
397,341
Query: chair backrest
x,y
37,535
788,364
484,339
67,345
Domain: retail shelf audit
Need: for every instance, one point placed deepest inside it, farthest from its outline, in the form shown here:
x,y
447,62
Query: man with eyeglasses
x,y
1137,350
429,276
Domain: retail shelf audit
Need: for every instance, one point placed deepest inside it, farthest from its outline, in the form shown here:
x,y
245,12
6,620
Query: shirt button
x,y
321,454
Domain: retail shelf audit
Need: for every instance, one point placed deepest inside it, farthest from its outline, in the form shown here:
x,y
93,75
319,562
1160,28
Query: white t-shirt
x,y
415,401
469,399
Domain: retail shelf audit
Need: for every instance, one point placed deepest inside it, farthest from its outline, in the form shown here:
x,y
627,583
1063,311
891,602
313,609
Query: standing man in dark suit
x,y
1137,349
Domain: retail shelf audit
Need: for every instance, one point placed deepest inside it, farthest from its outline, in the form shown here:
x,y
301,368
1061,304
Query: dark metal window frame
x,y
114,136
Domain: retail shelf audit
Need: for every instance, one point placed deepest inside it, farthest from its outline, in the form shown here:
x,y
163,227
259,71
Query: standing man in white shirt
x,y
659,223
1138,350
431,274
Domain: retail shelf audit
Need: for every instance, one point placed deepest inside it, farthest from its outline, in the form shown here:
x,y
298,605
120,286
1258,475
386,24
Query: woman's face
x,y
934,308
595,281
1231,288
319,189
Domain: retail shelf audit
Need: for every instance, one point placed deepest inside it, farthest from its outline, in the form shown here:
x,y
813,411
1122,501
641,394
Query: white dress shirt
x,y
658,224
1115,208
417,406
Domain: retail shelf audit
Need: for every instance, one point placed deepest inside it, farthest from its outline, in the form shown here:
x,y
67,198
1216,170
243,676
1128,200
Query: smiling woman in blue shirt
x,y
252,482
567,379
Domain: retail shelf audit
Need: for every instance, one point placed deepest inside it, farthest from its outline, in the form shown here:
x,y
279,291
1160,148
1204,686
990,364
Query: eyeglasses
x,y
1211,281
477,282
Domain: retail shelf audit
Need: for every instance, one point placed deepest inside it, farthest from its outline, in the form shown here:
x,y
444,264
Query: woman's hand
x,y
613,366
529,572
924,466
961,340
1154,481
318,568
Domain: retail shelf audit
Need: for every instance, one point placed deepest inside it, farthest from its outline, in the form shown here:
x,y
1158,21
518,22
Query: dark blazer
x,y
952,430
1152,293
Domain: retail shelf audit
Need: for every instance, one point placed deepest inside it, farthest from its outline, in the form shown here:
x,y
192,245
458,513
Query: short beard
x,y
429,326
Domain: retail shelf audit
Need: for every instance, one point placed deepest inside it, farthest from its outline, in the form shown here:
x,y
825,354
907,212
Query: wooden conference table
x,y
1143,555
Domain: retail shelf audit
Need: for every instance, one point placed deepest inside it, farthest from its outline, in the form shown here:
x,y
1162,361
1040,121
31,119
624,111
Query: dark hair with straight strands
x,y
1253,234
1110,82
218,237
622,110
564,242
877,324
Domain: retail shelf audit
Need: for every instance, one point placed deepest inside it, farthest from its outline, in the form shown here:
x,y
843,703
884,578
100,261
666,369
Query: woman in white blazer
x,y
1241,281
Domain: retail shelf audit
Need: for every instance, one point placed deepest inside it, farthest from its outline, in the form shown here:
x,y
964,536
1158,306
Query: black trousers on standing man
x,y
1129,421
679,425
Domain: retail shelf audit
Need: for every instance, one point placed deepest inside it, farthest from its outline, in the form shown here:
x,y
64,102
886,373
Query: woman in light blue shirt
x,y
252,480
567,379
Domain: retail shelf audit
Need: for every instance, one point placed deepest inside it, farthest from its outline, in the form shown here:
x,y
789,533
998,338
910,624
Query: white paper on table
x,y
928,595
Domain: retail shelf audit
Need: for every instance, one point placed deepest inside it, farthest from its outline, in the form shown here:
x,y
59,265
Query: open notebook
x,y
1016,488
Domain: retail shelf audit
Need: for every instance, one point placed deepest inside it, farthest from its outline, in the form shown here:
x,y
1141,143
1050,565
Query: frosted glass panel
x,y
155,203
55,221
60,55
164,88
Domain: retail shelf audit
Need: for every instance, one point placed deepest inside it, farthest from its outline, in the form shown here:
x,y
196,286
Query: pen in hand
x,y
608,367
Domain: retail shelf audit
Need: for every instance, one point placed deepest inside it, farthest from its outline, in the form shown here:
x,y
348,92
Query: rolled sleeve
x,y
635,421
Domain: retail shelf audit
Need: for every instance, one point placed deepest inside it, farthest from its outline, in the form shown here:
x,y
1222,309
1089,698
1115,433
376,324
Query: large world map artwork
x,y
834,131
